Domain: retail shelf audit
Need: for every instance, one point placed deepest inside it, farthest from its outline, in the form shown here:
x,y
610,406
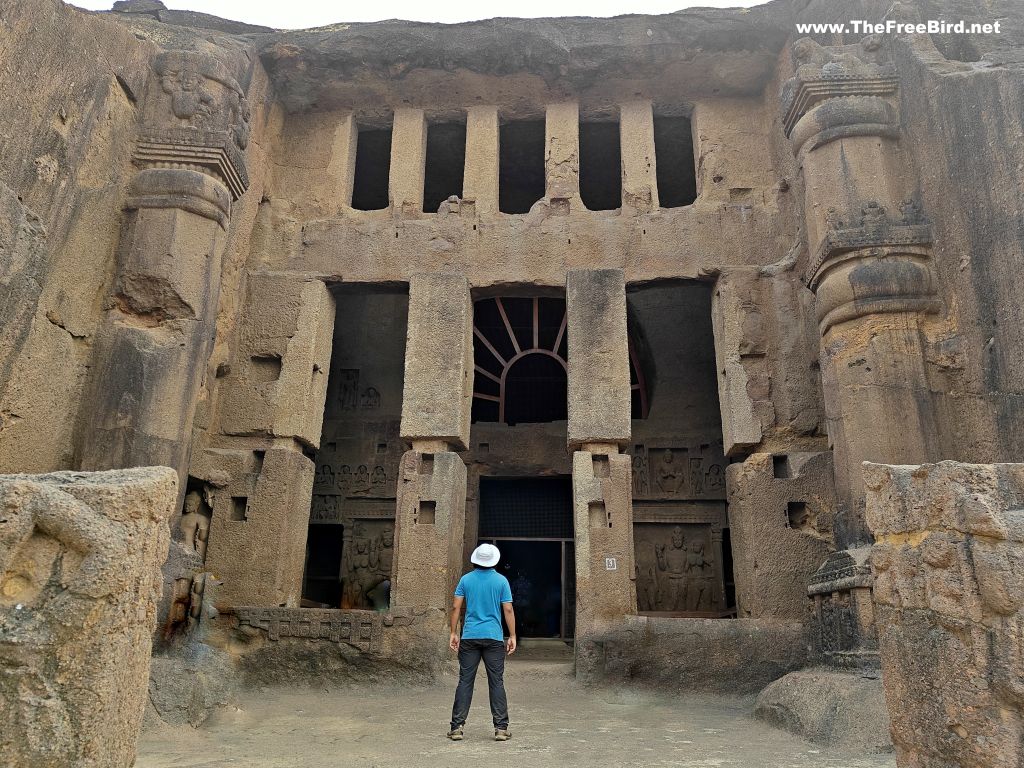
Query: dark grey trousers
x,y
493,654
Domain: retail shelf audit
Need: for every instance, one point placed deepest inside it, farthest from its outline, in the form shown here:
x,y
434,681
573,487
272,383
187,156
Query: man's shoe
x,y
455,734
502,735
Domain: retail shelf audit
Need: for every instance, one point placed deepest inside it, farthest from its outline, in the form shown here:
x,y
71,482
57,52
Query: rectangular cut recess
x,y
239,507
427,513
357,465
678,480
521,165
373,162
600,166
676,172
445,164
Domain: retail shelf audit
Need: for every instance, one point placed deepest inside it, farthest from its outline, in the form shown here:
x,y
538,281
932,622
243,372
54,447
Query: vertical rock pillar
x,y
152,348
480,180
599,424
80,557
562,154
869,265
431,515
949,593
408,161
639,168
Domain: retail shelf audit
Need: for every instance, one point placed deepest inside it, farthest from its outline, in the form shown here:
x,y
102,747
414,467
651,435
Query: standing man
x,y
487,596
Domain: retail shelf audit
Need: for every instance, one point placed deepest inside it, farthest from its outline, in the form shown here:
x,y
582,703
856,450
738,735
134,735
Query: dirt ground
x,y
554,722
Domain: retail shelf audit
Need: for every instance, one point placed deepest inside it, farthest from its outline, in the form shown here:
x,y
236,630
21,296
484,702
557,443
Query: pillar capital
x,y
187,189
837,91
874,262
195,116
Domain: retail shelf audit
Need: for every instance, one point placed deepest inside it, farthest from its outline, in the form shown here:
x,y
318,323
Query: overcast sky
x,y
298,14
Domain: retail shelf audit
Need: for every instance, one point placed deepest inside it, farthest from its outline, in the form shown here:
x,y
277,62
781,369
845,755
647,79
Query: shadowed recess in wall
x,y
519,353
521,165
600,166
445,164
373,161
677,176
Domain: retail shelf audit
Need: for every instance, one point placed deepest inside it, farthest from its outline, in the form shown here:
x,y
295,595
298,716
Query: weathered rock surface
x,y
835,709
317,647
780,510
565,53
22,270
949,592
186,688
80,557
739,656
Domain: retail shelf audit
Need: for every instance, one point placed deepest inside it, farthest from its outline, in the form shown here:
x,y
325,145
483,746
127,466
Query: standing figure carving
x,y
349,389
696,478
641,476
714,480
698,577
381,560
195,523
672,565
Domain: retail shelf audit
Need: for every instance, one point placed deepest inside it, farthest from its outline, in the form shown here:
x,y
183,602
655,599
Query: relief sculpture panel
x,y
679,568
367,558
694,471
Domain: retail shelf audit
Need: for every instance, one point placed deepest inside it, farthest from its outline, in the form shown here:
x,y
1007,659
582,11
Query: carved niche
x,y
367,560
195,523
695,471
678,559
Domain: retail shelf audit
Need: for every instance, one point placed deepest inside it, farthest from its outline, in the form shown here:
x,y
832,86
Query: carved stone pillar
x,y
639,169
562,152
153,347
430,522
599,424
480,183
408,161
869,266
274,391
431,515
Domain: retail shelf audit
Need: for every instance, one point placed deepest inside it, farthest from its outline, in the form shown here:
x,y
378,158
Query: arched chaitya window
x,y
520,360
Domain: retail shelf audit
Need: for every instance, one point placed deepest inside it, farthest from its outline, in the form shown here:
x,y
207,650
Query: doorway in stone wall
x,y
530,520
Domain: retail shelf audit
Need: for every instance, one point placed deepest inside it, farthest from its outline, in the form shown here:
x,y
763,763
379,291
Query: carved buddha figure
x,y
195,523
670,474
641,480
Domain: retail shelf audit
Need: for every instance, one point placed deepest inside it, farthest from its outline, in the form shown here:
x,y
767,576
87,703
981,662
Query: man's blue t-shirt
x,y
485,590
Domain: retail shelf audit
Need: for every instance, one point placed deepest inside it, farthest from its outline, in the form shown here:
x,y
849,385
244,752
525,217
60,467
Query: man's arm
x,y
510,619
453,641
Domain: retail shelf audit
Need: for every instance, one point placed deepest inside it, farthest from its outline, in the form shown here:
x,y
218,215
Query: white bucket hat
x,y
486,555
